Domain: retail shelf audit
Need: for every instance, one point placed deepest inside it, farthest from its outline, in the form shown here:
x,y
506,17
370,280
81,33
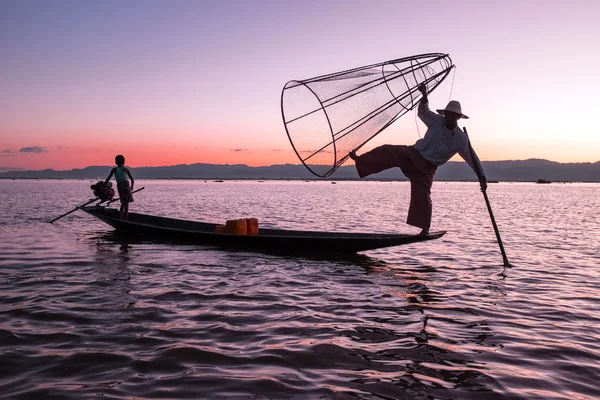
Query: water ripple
x,y
87,313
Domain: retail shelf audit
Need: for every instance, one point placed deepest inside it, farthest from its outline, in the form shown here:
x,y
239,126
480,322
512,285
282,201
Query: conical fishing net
x,y
328,116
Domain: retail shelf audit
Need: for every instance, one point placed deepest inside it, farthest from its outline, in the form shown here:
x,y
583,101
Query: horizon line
x,y
10,169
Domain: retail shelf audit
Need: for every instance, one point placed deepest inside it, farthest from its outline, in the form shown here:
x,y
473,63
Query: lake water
x,y
84,314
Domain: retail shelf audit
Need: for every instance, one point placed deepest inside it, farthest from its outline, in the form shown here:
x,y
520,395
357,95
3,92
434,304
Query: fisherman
x,y
419,162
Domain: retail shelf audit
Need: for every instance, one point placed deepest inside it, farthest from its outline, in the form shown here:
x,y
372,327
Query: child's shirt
x,y
120,175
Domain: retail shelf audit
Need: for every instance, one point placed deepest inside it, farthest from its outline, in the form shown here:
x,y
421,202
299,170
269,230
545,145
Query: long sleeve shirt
x,y
441,144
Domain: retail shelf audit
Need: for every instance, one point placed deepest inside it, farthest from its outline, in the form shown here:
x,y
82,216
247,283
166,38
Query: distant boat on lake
x,y
543,181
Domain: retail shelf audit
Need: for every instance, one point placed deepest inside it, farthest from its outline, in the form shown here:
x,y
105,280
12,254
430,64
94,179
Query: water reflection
x,y
112,270
408,352
422,321
423,345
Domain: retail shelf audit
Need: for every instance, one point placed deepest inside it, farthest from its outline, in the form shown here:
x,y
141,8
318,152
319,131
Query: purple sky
x,y
191,81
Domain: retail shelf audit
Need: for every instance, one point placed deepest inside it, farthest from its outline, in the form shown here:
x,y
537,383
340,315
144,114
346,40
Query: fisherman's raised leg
x,y
380,158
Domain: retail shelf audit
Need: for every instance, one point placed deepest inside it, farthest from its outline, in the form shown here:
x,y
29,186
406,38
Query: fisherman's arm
x,y
473,161
424,113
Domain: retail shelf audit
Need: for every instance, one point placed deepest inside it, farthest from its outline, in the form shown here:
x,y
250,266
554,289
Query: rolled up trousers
x,y
414,166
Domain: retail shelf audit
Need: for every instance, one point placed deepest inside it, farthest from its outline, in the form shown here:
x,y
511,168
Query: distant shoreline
x,y
532,170
217,180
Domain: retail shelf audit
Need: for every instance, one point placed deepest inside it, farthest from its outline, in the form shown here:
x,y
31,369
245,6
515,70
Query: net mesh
x,y
328,116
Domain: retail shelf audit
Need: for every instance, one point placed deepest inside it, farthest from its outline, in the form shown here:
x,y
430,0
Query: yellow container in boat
x,y
252,226
236,227
220,229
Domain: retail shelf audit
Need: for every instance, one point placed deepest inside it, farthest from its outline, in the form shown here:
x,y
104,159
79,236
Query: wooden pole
x,y
113,200
489,207
75,209
91,201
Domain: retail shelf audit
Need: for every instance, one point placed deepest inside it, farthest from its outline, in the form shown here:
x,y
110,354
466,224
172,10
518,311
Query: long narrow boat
x,y
169,229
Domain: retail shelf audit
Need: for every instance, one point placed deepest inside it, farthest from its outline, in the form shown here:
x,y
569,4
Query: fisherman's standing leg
x,y
380,159
420,172
420,209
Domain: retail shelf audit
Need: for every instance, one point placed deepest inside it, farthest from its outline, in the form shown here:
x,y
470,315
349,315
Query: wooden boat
x,y
271,240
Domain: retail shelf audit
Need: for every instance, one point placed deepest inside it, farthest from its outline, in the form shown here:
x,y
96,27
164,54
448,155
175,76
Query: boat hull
x,y
271,240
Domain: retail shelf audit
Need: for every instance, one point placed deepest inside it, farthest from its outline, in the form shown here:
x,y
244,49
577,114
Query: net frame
x,y
422,63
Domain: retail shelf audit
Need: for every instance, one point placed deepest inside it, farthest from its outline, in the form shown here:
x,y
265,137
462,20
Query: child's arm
x,y
112,171
130,177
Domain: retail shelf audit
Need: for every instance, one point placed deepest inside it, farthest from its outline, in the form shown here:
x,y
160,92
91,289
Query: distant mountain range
x,y
523,170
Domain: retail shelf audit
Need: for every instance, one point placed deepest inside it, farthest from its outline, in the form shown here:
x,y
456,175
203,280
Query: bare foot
x,y
353,155
424,232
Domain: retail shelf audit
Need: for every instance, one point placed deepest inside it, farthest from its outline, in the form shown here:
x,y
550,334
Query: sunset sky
x,y
174,82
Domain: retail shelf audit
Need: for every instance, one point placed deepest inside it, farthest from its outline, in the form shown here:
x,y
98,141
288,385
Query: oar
x,y
489,207
135,191
91,201
75,209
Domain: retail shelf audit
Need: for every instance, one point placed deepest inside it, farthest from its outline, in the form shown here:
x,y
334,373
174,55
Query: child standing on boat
x,y
123,186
